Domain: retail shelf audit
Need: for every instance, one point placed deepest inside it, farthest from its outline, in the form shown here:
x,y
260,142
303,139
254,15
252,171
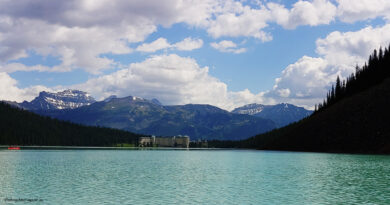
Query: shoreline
x,y
5,147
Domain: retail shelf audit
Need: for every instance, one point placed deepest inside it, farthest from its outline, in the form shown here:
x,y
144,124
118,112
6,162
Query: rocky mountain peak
x,y
67,99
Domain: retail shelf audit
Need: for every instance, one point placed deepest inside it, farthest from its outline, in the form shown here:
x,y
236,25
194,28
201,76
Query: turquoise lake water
x,y
191,177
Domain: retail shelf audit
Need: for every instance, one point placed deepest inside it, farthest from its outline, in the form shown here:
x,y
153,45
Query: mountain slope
x,y
148,117
21,127
282,114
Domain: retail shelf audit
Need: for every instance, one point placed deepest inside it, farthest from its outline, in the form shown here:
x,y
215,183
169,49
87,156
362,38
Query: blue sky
x,y
224,53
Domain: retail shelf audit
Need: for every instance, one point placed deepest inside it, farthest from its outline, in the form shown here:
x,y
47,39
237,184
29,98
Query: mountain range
x,y
282,114
67,99
144,116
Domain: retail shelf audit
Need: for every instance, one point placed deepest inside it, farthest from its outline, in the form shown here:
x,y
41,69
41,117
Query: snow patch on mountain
x,y
249,109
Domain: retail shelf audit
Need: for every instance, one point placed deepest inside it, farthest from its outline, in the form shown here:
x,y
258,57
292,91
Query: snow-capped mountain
x,y
67,99
282,114
249,109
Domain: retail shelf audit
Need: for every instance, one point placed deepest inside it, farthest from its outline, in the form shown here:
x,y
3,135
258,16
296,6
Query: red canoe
x,y
14,148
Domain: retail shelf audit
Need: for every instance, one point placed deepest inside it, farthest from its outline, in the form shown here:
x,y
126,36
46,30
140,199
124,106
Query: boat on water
x,y
13,148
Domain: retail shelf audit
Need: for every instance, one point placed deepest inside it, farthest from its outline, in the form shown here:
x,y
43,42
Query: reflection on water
x,y
192,177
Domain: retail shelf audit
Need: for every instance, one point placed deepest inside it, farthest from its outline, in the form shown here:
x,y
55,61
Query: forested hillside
x,y
373,73
354,118
20,127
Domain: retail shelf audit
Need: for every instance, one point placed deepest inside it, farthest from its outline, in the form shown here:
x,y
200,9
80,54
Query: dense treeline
x,y
223,144
373,73
20,127
352,119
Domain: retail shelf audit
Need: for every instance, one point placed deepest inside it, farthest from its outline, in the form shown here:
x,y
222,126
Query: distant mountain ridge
x,y
67,99
282,114
150,117
145,116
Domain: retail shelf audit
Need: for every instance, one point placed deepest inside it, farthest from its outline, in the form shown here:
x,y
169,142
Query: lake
x,y
191,177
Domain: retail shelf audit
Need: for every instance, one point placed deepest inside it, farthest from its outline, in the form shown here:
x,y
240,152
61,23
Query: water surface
x,y
192,177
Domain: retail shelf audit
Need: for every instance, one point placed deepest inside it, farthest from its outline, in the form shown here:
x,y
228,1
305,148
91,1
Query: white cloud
x,y
351,48
304,13
309,79
13,67
76,47
169,78
173,80
227,47
10,91
352,10
235,19
284,92
160,43
108,13
79,32
188,44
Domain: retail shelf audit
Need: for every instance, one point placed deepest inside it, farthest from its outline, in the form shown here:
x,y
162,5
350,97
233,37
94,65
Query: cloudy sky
x,y
226,53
